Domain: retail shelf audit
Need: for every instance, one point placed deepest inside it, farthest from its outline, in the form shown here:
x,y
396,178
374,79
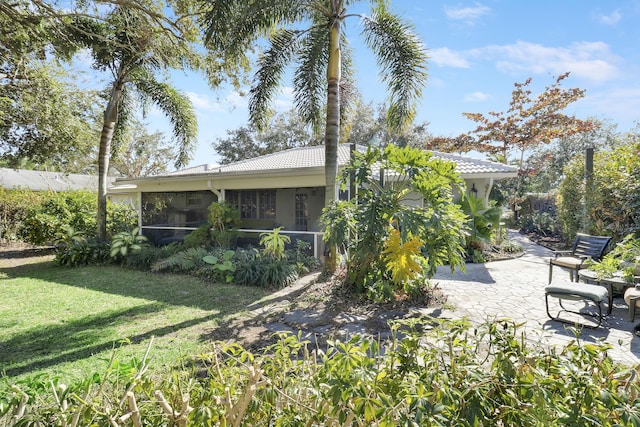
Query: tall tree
x,y
310,33
48,119
138,43
132,47
140,153
527,123
286,130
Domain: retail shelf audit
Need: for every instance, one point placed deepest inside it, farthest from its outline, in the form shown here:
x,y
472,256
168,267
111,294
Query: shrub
x,y
200,237
612,205
14,205
483,225
76,209
430,235
224,219
83,252
544,223
489,375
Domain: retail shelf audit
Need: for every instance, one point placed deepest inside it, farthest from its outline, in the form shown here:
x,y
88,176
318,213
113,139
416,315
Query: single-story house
x,y
281,189
13,179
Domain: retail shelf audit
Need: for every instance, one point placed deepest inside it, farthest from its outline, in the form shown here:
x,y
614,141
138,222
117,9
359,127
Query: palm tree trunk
x,y
104,153
332,130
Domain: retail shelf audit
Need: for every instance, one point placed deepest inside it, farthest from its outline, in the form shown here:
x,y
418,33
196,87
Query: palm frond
x,y
271,66
310,78
232,25
126,110
402,58
178,109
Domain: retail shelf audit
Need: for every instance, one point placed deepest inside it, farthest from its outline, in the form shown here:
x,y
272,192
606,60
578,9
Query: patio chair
x,y
585,247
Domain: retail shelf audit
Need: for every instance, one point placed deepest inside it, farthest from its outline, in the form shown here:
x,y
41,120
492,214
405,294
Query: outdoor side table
x,y
632,298
631,289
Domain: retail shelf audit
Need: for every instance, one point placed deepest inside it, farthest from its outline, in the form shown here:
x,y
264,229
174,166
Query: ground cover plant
x,y
57,319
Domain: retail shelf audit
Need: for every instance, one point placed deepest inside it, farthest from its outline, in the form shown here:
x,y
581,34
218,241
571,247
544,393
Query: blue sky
x,y
478,50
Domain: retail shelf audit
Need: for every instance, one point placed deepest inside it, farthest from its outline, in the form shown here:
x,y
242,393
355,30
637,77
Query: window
x,y
302,215
268,204
254,204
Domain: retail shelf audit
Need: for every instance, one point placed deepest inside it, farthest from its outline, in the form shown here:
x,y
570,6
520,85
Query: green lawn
x,y
67,322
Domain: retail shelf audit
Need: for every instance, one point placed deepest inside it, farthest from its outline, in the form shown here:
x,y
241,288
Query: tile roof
x,y
313,157
40,180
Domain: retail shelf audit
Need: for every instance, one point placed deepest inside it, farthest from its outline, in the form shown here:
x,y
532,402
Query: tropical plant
x,y
483,224
363,226
222,265
127,242
187,260
83,252
224,220
274,243
311,34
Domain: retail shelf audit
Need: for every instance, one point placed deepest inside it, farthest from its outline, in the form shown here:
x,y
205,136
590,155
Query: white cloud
x,y
284,102
612,19
476,97
467,13
445,57
622,104
588,60
204,103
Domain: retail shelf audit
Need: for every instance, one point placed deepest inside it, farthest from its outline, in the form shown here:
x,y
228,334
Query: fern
x,y
401,258
187,260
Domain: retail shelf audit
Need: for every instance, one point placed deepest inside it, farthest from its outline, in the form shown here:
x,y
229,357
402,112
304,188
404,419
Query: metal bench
x,y
585,247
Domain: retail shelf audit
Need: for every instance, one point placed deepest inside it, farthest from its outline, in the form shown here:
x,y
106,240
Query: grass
x,y
68,322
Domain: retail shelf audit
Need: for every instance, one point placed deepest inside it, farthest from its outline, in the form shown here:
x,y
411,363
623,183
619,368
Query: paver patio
x,y
515,289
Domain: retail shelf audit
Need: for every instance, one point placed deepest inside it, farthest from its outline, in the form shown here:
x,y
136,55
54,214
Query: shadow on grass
x,y
50,345
171,289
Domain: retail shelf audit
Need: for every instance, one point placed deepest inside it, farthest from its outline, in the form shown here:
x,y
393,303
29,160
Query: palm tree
x,y
135,49
320,51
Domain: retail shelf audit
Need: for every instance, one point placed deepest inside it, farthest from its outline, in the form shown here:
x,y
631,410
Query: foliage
x,y
120,216
14,206
311,35
127,242
83,252
274,243
37,217
623,258
490,375
75,209
139,153
483,223
187,260
302,257
541,223
49,120
286,130
543,169
611,206
222,265
363,125
361,226
224,219
402,258
527,123
201,236
148,255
